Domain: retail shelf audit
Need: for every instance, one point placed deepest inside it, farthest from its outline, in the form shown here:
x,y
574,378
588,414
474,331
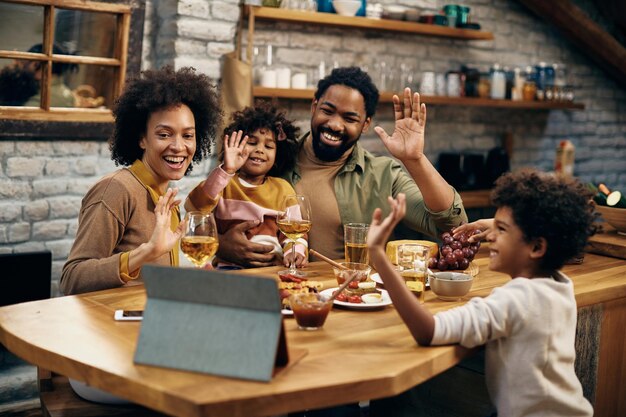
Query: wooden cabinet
x,y
254,13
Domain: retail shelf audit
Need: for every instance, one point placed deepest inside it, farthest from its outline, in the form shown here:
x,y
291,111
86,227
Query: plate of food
x,y
286,288
359,300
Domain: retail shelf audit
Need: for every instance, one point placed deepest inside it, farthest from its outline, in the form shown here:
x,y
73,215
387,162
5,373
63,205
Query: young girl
x,y
528,324
245,187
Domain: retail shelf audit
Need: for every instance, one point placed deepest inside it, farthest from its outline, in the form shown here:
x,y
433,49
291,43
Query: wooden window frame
x,y
48,122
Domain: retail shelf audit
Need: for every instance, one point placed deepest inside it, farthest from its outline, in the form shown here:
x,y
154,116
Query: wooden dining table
x,y
357,355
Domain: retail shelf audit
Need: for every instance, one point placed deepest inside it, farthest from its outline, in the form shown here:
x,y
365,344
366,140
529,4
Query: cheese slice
x,y
392,248
415,286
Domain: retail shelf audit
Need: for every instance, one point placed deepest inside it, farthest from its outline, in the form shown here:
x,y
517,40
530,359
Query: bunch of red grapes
x,y
455,253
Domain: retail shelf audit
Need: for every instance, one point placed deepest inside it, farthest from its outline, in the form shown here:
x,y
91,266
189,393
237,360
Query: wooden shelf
x,y
476,198
331,19
385,97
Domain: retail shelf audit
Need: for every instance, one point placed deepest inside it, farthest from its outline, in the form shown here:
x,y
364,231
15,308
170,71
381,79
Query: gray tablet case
x,y
215,322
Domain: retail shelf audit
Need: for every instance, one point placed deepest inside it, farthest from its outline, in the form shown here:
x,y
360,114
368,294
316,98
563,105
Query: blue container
x,y
325,6
361,11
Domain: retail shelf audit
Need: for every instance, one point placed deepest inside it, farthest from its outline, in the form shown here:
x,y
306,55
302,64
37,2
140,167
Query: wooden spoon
x,y
328,260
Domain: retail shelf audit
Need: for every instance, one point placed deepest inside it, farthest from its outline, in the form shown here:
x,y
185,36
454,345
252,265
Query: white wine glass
x,y
199,243
294,221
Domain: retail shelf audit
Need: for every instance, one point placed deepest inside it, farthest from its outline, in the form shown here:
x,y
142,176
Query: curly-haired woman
x,y
244,190
164,122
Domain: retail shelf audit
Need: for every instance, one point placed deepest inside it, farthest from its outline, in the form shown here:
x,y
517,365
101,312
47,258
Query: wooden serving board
x,y
609,243
472,269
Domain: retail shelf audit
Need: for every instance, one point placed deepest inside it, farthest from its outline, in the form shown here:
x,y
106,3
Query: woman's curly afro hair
x,y
556,208
161,89
266,116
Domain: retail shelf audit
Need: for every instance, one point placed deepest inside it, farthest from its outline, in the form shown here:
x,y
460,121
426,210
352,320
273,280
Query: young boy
x,y
528,324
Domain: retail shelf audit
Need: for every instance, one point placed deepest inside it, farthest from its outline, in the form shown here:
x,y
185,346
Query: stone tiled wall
x,y
42,183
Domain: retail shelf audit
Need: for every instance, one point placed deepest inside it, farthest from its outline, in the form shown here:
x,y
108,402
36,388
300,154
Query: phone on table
x,y
128,315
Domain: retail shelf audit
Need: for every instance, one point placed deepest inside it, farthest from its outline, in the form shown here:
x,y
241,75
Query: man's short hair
x,y
352,77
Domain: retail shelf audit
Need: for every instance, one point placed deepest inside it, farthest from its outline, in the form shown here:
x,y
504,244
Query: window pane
x,y
92,85
72,85
19,83
85,33
21,26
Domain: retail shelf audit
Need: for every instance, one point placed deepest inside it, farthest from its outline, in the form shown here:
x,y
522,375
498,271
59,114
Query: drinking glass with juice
x,y
413,263
355,242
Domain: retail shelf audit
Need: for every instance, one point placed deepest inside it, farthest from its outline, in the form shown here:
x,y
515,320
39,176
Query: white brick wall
x,y
42,182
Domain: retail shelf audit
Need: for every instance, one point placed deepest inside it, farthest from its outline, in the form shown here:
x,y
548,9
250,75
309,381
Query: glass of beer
x,y
199,243
355,244
413,264
294,221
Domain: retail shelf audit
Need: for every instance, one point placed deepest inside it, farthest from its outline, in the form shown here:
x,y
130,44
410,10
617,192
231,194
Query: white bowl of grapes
x,y
454,254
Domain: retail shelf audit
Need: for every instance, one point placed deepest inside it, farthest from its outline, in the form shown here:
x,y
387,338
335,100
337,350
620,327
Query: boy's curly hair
x,y
264,115
557,208
353,77
157,90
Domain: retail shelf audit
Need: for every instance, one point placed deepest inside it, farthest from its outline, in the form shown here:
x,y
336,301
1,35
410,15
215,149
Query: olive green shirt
x,y
364,183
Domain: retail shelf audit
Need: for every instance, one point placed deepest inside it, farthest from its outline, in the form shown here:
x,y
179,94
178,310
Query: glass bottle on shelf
x,y
529,90
509,77
549,87
498,82
268,72
407,77
560,81
541,81
256,64
484,85
518,84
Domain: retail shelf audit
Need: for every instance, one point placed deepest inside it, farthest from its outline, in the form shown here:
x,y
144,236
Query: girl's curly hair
x,y
266,116
557,208
161,89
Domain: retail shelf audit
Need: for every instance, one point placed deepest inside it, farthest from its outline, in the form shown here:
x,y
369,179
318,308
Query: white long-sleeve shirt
x,y
529,327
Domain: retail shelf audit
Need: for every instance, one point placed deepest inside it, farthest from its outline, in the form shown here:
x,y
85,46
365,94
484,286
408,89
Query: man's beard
x,y
327,153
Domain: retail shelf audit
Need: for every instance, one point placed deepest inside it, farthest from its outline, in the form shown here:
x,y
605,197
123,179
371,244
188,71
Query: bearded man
x,y
345,183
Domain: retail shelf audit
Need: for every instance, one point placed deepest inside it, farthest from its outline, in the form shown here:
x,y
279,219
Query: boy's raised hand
x,y
407,140
380,229
235,152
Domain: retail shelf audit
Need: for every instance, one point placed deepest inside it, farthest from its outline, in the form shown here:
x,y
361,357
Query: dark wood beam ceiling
x,y
592,39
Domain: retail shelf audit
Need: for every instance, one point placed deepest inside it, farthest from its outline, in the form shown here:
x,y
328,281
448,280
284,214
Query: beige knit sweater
x,y
116,216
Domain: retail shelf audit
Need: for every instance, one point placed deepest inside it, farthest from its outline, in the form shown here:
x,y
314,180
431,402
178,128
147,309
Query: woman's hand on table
x,y
235,247
476,231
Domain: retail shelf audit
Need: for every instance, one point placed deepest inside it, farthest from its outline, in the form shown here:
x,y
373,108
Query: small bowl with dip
x,y
450,286
349,268
310,309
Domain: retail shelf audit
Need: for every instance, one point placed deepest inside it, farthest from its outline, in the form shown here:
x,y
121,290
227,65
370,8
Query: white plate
x,y
362,306
286,312
377,279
